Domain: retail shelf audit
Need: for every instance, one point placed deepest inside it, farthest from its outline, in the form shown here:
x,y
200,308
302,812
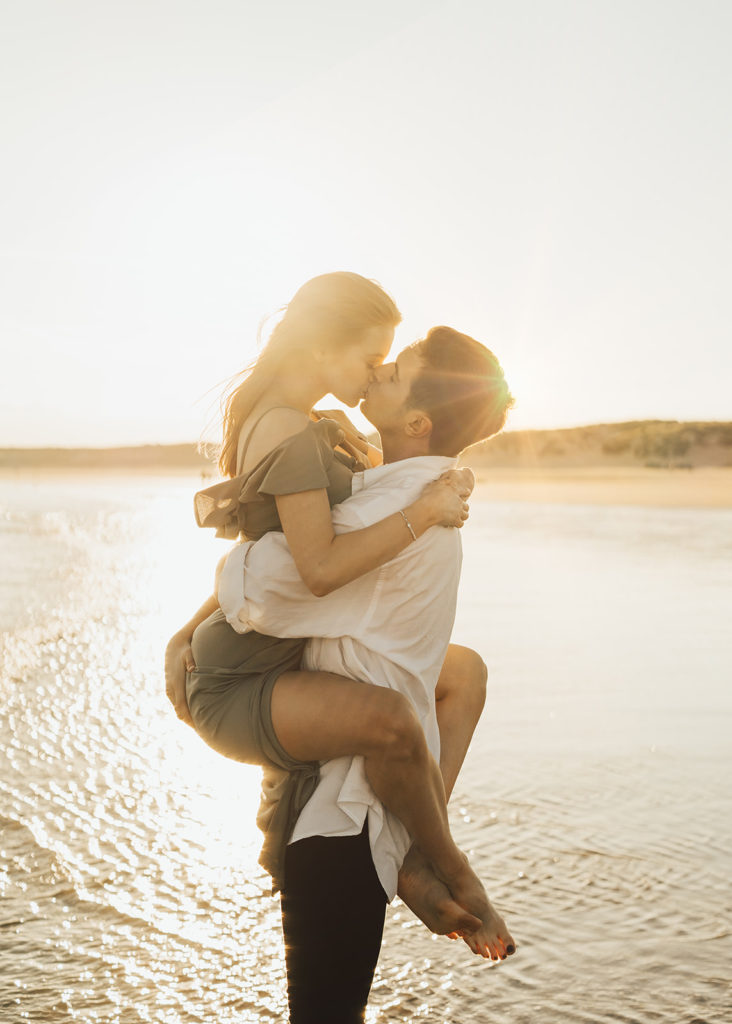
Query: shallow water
x,y
595,799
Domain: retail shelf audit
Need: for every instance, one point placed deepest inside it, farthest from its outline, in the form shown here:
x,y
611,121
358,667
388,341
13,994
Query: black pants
x,y
333,909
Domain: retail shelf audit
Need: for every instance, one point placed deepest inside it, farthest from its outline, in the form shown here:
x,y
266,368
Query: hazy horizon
x,y
551,178
194,443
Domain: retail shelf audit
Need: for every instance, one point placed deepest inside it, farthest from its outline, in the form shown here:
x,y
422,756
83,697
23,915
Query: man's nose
x,y
382,372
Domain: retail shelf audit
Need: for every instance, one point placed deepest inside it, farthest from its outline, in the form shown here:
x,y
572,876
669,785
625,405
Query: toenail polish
x,y
510,949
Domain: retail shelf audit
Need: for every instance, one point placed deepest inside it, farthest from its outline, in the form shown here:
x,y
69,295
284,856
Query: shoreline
x,y
83,472
702,487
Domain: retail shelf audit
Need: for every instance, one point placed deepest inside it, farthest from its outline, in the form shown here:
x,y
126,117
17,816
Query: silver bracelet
x,y
409,525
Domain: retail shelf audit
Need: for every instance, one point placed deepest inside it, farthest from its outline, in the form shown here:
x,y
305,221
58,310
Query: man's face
x,y
385,404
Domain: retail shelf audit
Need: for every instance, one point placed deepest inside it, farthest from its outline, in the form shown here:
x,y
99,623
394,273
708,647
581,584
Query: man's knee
x,y
470,674
393,725
478,675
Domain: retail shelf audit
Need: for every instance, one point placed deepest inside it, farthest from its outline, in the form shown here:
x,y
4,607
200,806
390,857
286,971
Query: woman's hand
x,y
353,435
354,442
445,502
463,480
178,660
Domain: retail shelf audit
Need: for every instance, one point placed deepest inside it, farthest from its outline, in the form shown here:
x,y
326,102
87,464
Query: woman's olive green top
x,y
245,505
229,692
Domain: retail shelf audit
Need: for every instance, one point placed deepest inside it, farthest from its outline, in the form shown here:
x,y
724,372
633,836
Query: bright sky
x,y
550,176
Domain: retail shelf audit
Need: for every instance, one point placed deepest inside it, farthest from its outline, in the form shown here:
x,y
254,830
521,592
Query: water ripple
x,y
598,812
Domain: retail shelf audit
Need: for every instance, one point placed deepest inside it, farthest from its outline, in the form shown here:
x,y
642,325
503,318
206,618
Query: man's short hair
x,y
462,389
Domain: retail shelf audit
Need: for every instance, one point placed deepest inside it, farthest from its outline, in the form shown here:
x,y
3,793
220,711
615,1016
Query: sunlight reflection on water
x,y
128,869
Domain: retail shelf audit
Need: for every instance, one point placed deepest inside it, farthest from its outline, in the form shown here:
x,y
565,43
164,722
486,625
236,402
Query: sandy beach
x,y
702,487
705,487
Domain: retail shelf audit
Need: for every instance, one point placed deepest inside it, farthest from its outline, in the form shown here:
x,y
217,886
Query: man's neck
x,y
402,447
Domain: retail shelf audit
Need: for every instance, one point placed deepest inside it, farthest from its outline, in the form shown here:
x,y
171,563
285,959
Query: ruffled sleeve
x,y
299,463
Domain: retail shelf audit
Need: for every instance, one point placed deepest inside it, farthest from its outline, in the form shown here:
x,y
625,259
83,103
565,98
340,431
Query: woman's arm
x,y
326,560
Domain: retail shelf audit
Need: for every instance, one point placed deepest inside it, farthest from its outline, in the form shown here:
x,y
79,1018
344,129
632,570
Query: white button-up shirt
x,y
390,627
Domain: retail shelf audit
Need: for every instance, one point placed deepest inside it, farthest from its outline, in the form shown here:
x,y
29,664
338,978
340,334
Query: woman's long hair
x,y
332,309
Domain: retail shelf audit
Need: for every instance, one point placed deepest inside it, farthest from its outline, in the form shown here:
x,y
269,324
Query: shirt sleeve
x,y
260,589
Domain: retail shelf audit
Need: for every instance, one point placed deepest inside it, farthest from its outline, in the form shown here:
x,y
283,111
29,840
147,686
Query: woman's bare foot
x,y
492,939
430,899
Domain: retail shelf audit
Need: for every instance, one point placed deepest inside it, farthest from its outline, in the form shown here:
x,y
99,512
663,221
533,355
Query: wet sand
x,y
702,487
594,801
705,487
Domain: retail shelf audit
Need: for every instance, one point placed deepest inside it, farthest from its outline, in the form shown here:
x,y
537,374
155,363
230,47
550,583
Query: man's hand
x,y
178,660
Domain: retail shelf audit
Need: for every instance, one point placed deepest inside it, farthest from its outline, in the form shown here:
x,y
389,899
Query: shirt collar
x,y
426,467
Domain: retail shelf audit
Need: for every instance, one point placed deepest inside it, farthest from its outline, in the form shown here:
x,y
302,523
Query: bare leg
x,y
460,696
319,716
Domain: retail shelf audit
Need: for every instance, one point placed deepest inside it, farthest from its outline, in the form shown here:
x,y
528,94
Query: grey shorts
x,y
230,690
230,696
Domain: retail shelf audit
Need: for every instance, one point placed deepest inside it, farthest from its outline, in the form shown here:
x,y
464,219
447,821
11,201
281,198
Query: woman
x,y
246,694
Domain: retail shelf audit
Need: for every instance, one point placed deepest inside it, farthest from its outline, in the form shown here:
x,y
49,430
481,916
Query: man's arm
x,y
179,660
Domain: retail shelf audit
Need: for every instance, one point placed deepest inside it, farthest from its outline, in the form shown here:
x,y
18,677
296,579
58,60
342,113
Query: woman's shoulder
x,y
270,429
302,461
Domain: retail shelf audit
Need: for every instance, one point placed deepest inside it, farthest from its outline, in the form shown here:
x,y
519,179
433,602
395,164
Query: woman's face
x,y
350,368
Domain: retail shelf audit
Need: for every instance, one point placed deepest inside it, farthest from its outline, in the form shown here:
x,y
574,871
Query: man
x,y
391,627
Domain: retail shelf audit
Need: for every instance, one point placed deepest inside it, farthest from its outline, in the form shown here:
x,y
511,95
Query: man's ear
x,y
418,424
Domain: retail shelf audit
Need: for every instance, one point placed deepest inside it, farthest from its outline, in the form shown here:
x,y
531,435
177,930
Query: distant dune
x,y
657,444
183,458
